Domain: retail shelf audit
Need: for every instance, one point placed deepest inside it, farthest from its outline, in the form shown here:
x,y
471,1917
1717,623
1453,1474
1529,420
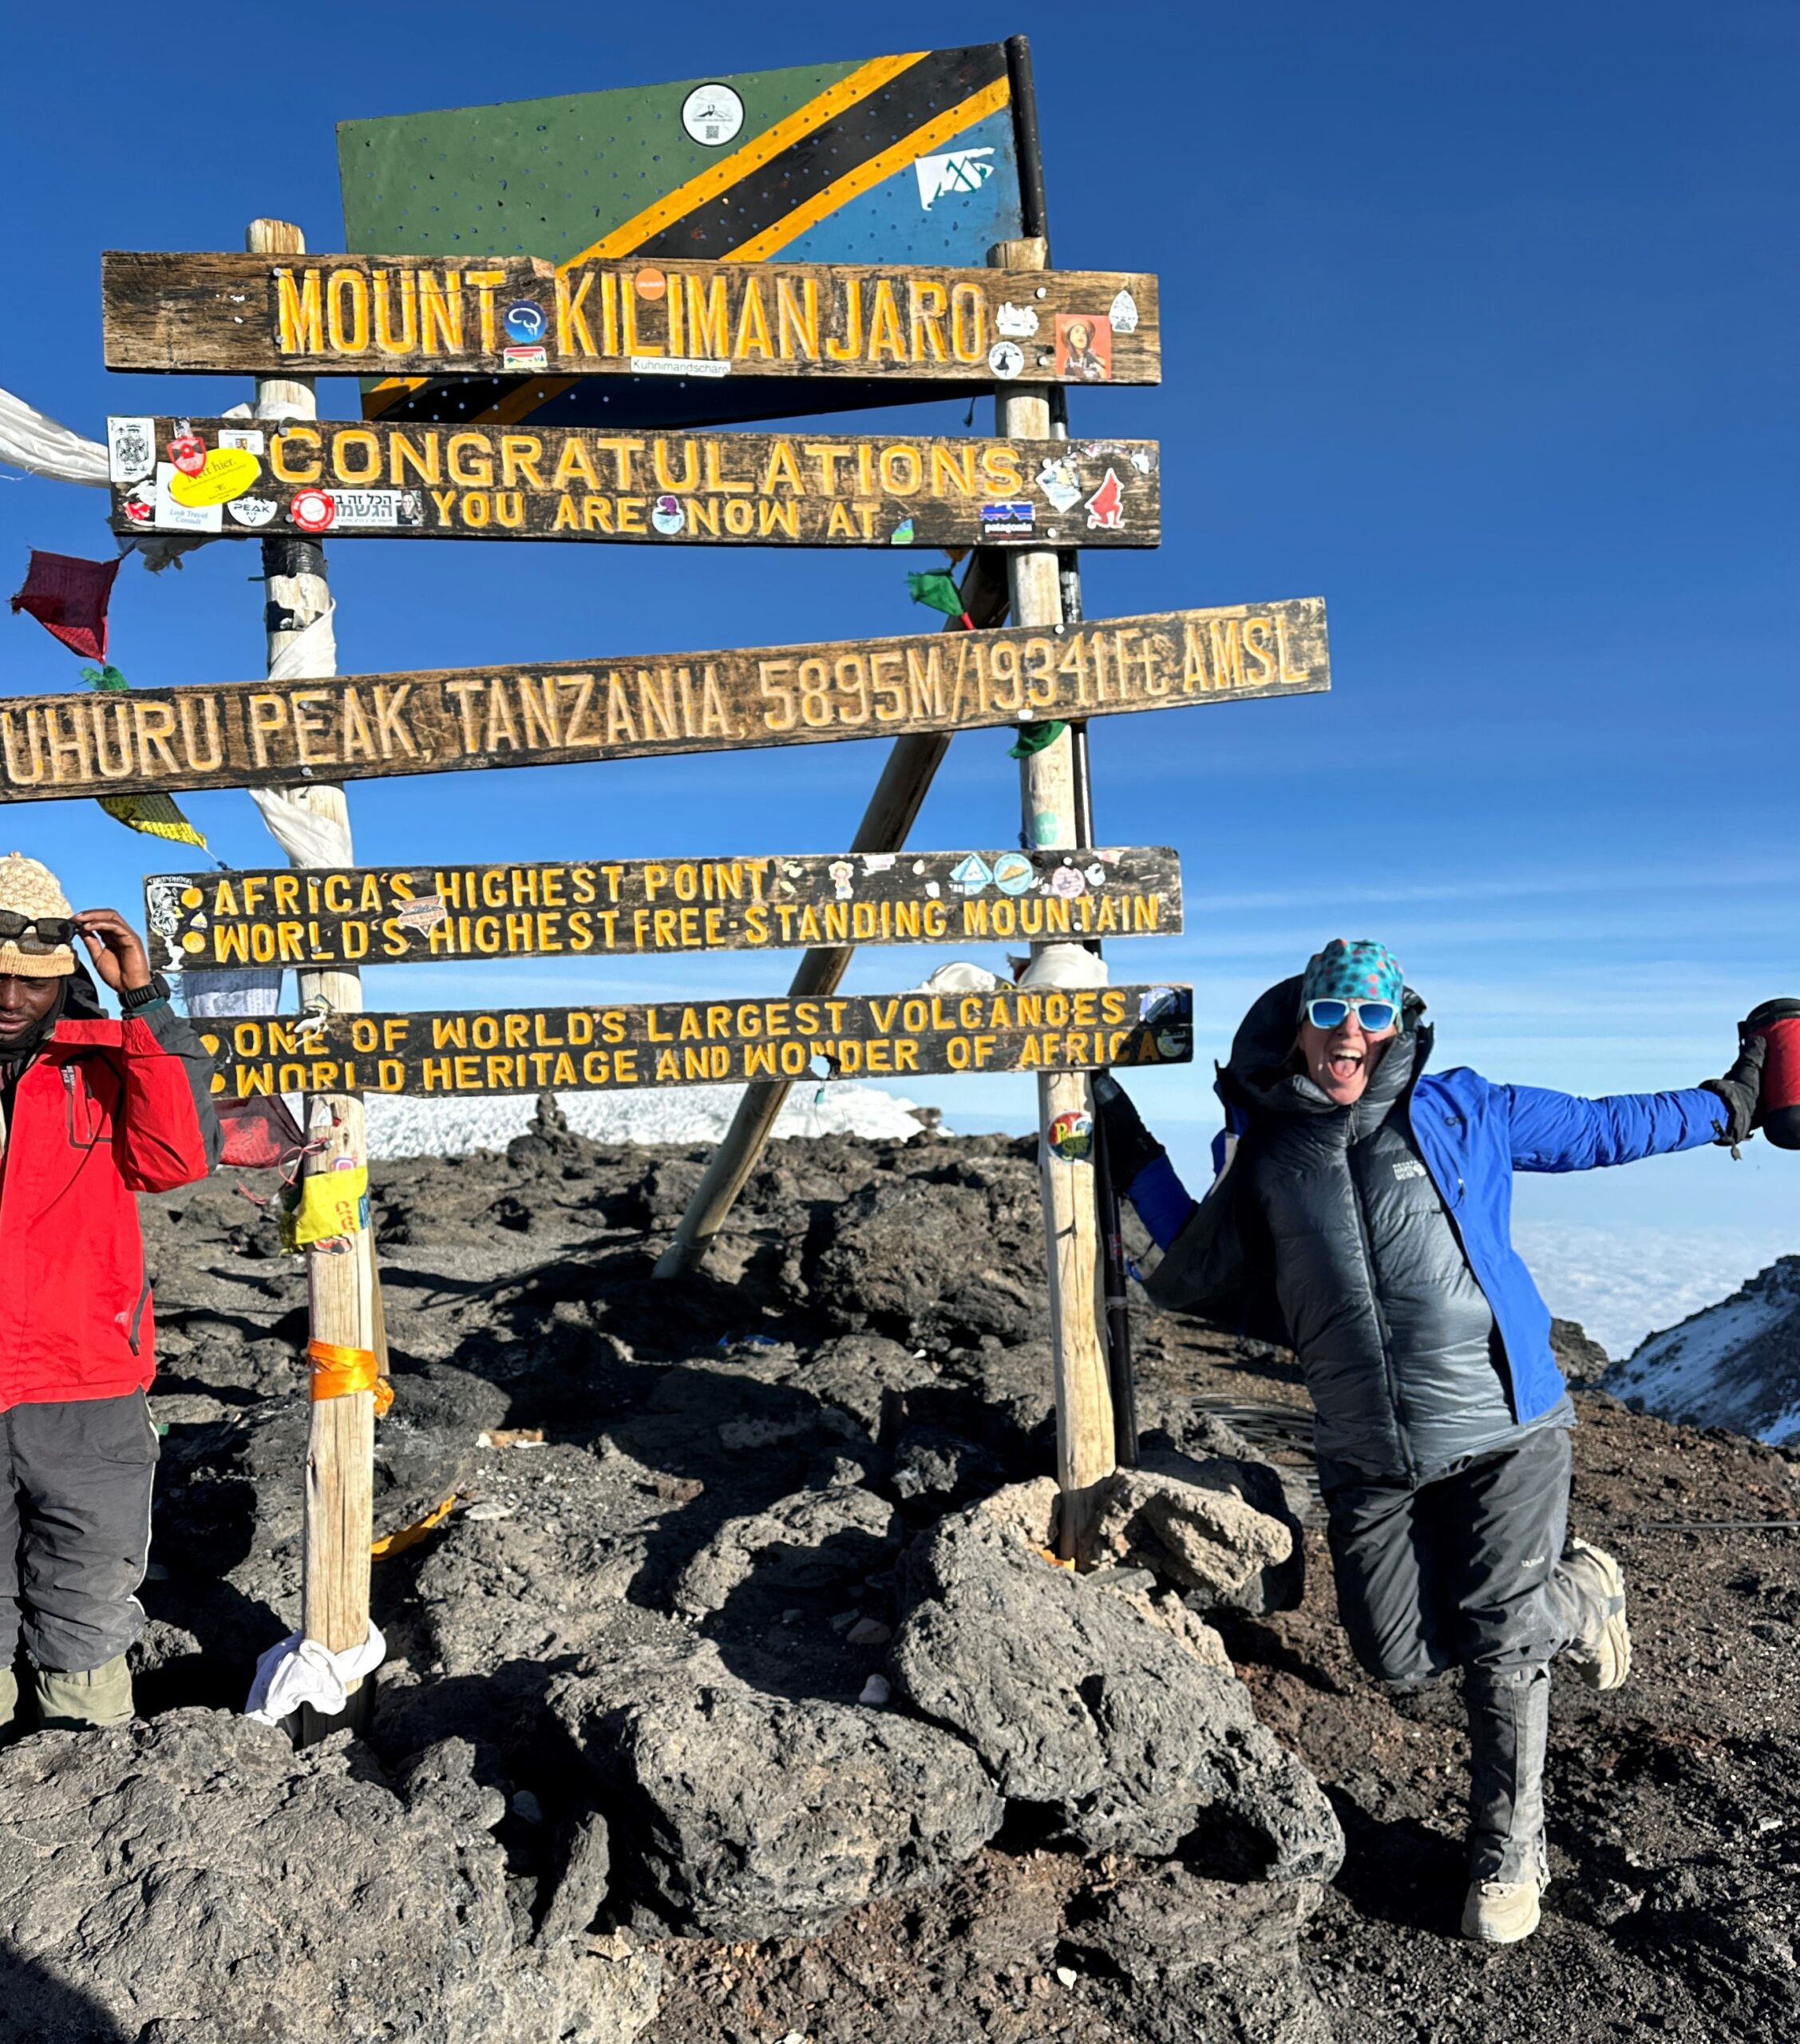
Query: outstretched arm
x,y
1562,1132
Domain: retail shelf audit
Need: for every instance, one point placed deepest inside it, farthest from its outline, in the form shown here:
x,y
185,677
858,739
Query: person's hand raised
x,y
114,948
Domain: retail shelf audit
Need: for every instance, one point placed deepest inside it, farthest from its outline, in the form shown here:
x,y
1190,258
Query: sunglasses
x,y
46,930
1372,1017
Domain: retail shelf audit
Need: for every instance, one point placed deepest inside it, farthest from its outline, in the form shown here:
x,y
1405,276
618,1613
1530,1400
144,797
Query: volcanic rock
x,y
1076,1702
1207,1541
203,1884
808,1541
753,1816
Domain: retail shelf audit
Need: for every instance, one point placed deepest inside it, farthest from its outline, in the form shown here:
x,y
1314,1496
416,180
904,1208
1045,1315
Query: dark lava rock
x,y
204,1884
1579,1355
746,1815
1201,1958
938,1260
1077,1702
812,1541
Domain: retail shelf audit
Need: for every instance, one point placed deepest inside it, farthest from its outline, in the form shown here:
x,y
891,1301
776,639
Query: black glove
x,y
1741,1089
1130,1147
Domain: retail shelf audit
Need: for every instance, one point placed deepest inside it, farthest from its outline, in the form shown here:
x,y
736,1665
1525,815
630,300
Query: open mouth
x,y
1344,1065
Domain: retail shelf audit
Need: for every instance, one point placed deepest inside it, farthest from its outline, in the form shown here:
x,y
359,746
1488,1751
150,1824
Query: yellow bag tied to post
x,y
331,1204
337,1371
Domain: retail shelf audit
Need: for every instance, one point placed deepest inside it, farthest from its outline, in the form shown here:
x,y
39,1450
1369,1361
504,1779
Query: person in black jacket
x,y
1361,1218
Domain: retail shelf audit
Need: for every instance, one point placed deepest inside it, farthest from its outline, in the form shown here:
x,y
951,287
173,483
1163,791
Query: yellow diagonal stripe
x,y
383,394
716,177
720,177
940,128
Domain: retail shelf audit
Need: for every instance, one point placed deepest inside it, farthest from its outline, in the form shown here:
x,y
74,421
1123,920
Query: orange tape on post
x,y
337,1371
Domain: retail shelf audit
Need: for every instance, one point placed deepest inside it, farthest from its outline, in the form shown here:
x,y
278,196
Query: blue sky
x,y
1477,323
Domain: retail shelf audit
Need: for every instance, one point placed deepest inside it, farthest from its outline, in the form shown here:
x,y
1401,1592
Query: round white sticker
x,y
712,114
1006,358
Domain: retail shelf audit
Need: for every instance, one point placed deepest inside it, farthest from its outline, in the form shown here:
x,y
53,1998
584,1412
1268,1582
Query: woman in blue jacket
x,y
1363,1219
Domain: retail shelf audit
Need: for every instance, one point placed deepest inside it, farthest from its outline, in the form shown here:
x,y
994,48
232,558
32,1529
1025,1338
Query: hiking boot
x,y
1500,1913
88,1699
1594,1584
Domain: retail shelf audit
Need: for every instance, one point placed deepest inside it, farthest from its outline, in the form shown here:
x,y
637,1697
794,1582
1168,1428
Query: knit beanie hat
x,y
29,889
1352,969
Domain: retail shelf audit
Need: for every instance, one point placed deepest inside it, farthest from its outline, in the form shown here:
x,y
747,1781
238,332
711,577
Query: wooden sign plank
x,y
386,481
491,1051
352,727
399,915
392,315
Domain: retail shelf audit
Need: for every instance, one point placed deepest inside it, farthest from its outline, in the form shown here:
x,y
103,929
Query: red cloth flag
x,y
258,1132
69,596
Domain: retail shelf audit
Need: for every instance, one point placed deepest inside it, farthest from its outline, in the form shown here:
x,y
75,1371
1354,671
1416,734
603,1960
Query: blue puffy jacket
x,y
1473,1135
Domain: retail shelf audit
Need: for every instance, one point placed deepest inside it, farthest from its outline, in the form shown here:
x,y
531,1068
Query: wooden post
x,y
1051,816
905,780
340,1287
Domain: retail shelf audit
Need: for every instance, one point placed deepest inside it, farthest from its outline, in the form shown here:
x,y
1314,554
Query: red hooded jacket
x,y
106,1109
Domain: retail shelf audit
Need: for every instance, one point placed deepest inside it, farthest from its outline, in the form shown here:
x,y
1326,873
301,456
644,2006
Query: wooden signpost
x,y
387,315
394,915
236,735
469,352
489,1052
235,481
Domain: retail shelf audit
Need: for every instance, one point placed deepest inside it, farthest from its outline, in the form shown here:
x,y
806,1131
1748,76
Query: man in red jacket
x,y
91,1111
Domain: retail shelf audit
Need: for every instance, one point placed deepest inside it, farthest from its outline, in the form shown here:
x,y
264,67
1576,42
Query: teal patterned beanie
x,y
1353,969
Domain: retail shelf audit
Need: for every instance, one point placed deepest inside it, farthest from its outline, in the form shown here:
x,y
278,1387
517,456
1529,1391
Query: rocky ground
x,y
721,1708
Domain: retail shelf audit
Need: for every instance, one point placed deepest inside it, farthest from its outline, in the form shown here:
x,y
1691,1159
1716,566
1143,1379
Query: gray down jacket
x,y
1397,1341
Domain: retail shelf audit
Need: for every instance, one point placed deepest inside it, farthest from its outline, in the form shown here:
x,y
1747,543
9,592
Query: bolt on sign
x,y
394,915
451,315
348,727
491,1051
910,158
428,481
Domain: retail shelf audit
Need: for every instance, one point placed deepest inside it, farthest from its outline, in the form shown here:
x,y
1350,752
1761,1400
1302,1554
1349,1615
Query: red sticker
x,y
138,510
1105,507
188,452
313,510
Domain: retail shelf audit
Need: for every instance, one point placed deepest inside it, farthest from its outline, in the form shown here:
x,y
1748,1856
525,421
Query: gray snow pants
x,y
1464,1572
75,1483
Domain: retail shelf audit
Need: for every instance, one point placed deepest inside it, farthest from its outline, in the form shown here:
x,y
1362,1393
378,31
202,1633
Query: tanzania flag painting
x,y
906,159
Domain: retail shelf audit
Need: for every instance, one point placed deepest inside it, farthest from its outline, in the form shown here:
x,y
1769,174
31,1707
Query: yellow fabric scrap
x,y
155,815
331,1203
409,1536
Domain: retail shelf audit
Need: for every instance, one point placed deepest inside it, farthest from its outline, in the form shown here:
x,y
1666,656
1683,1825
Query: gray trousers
x,y
1465,1572
75,1484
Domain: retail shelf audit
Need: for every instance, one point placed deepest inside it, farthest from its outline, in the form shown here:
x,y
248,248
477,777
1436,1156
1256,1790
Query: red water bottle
x,y
1778,1024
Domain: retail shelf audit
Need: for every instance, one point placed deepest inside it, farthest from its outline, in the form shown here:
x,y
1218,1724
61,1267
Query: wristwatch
x,y
130,999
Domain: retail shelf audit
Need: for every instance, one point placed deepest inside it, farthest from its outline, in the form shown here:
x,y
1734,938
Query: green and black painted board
x,y
600,908
493,1051
911,158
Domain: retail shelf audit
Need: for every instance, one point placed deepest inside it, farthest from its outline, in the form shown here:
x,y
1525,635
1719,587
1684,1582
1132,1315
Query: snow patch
x,y
400,1127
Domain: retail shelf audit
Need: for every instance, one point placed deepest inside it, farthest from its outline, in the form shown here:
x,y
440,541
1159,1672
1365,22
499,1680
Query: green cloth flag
x,y
1034,738
940,591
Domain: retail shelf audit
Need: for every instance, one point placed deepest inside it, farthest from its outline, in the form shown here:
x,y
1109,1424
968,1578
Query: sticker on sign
x,y
678,365
712,114
378,507
131,449
957,170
